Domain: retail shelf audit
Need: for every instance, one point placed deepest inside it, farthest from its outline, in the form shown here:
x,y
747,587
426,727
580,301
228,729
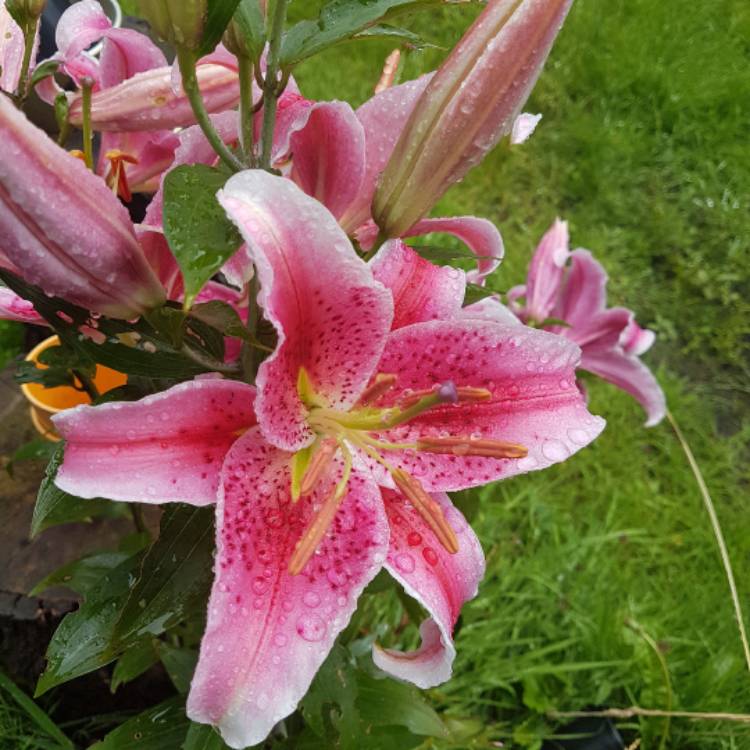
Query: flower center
x,y
338,431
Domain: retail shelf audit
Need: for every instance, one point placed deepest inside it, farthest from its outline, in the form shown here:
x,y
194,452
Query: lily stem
x,y
379,240
271,88
247,110
137,512
186,60
88,138
29,37
87,385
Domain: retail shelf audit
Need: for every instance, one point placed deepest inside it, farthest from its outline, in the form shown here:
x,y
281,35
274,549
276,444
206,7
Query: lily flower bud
x,y
470,103
24,11
179,22
62,228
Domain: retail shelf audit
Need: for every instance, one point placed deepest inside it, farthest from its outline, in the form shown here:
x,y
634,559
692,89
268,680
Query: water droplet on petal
x,y
405,562
430,555
311,628
311,599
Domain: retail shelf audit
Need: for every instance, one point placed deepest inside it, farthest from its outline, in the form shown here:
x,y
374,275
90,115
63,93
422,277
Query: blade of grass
x,y
35,713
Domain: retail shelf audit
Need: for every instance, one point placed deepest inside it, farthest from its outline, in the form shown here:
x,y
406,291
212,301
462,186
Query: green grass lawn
x,y
604,585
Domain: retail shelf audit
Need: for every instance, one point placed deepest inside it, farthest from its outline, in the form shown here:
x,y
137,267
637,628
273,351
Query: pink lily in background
x,y
130,161
611,341
62,229
470,103
358,426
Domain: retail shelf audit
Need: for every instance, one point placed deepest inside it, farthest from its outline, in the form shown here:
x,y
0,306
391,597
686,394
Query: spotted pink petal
x,y
546,272
168,447
268,632
627,372
63,228
13,307
328,155
331,316
480,235
439,581
534,402
81,25
382,117
523,127
421,290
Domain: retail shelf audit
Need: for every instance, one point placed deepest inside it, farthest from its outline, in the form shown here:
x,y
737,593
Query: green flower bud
x,y
179,22
24,12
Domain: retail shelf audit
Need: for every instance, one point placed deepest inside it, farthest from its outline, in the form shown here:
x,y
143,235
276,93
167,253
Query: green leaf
x,y
203,737
219,14
199,234
175,576
436,254
385,702
35,713
179,663
340,20
83,640
132,348
331,700
474,293
161,727
43,70
35,450
133,663
53,506
82,575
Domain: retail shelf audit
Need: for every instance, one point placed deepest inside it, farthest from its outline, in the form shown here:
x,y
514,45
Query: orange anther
x,y
467,446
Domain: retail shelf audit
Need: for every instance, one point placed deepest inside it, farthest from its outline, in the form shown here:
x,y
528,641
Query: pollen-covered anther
x,y
382,384
116,177
314,533
428,508
449,393
468,446
319,462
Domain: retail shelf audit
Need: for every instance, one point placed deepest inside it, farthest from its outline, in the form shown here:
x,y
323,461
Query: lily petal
x,y
523,127
268,631
164,448
627,372
64,229
329,155
491,309
147,102
12,47
439,581
480,235
534,402
546,272
331,316
125,53
13,307
421,290
82,24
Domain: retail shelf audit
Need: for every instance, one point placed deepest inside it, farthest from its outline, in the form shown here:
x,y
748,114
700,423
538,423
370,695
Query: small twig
x,y
718,534
654,646
636,711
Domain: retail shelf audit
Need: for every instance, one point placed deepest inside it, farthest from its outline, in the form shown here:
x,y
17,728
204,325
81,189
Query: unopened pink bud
x,y
471,102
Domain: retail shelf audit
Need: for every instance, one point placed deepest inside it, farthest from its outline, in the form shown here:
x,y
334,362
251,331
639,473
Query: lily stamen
x,y
426,506
460,394
467,446
117,178
319,462
382,384
315,532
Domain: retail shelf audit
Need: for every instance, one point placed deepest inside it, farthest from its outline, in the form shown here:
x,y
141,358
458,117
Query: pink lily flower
x,y
611,341
64,230
129,161
12,46
13,307
470,103
357,428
